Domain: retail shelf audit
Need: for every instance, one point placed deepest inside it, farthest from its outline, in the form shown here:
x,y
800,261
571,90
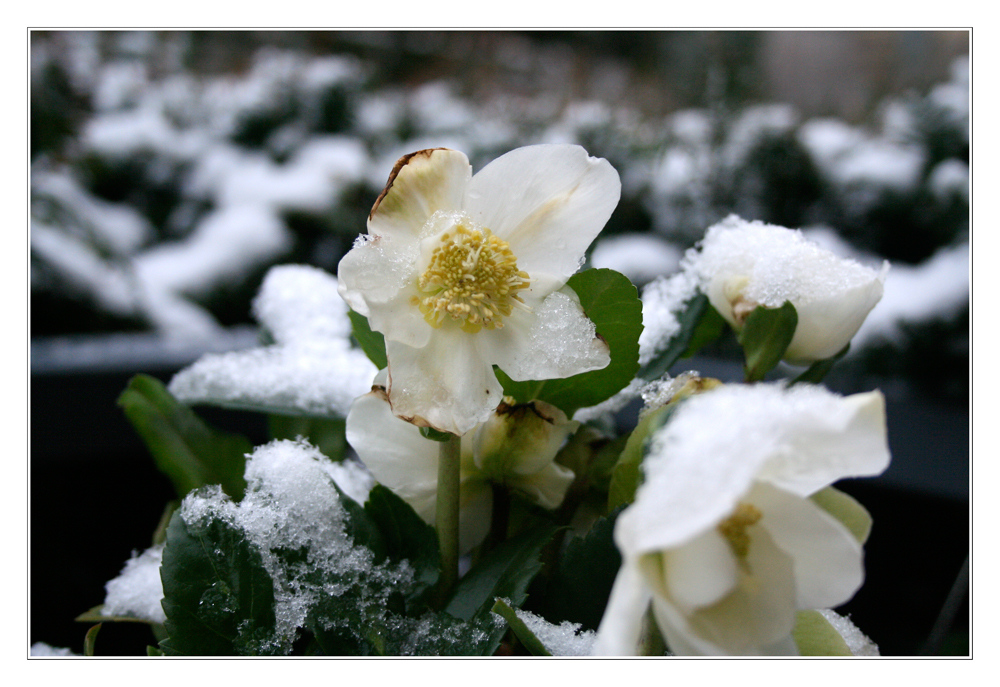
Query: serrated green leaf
x,y
765,337
846,510
371,342
699,325
404,533
326,434
524,634
186,449
612,303
580,587
815,636
505,572
217,595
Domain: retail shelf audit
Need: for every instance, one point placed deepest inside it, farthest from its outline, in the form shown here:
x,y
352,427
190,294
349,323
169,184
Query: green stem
x,y
446,517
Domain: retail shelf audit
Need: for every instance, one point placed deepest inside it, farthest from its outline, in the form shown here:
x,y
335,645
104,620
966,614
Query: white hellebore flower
x,y
744,264
463,272
516,447
722,542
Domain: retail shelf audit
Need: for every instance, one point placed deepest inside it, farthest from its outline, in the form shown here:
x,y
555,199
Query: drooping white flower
x,y
463,272
516,446
744,264
722,542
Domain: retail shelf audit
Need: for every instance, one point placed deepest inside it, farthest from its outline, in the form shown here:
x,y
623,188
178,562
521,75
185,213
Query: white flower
x,y
745,264
463,272
515,447
722,541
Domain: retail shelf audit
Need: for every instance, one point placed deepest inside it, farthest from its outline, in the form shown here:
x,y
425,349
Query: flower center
x,y
734,528
472,278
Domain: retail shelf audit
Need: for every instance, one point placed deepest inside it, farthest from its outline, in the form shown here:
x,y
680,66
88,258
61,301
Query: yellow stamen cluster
x,y
472,278
734,528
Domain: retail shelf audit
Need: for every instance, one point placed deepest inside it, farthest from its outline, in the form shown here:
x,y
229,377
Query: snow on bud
x,y
742,265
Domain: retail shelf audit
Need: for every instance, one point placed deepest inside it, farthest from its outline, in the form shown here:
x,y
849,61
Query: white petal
x,y
446,385
829,437
548,201
700,572
547,487
420,184
395,453
827,559
377,279
556,340
621,626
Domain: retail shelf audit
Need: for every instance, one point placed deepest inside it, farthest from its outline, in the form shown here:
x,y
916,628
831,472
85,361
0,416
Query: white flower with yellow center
x,y
742,265
515,447
722,543
462,272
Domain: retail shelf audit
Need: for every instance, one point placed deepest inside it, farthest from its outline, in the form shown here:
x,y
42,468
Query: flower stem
x,y
446,516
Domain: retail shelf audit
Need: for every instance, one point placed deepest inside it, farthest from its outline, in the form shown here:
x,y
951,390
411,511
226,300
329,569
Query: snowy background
x,y
171,170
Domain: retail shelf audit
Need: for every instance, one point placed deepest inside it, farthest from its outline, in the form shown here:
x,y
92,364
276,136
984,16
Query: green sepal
x,y
818,371
815,636
765,337
627,474
699,325
435,434
612,303
90,640
523,633
371,341
846,510
190,452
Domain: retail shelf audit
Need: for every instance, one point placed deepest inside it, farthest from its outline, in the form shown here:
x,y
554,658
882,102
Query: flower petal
x,y
419,185
555,340
621,626
827,559
547,487
548,201
447,384
700,572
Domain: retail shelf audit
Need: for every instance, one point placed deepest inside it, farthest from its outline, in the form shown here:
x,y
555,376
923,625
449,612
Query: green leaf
x,y
765,337
217,595
435,434
819,369
371,342
815,636
153,651
404,533
700,325
326,434
611,301
627,474
532,643
187,450
846,510
90,640
580,587
94,615
505,572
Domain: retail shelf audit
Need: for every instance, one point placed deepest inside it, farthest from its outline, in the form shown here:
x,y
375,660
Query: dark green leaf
x,y
217,596
611,301
765,337
699,324
523,633
153,651
579,589
817,372
371,342
435,434
404,533
505,572
326,434
187,450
